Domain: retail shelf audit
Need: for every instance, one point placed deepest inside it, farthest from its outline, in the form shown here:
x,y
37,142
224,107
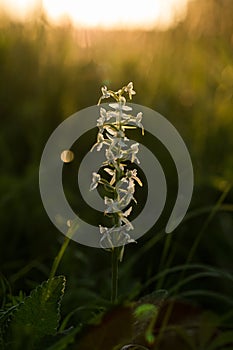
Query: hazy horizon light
x,y
102,13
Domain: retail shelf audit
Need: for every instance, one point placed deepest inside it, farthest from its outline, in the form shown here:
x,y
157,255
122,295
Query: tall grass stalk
x,y
206,223
58,258
179,283
115,264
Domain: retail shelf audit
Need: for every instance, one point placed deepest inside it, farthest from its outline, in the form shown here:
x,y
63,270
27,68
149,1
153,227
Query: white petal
x,y
127,212
139,117
109,171
126,108
115,105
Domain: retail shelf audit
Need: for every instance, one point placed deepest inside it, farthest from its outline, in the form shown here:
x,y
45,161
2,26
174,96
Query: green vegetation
x,y
184,280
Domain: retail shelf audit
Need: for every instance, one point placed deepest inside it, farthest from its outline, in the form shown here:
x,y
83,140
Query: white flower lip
x,y
120,107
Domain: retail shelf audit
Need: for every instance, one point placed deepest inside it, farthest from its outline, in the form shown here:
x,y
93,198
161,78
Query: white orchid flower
x,y
100,142
104,116
133,175
105,93
96,178
129,89
131,153
115,236
112,124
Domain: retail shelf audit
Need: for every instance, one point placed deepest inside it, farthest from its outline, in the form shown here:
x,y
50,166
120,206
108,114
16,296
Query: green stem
x,y
53,271
115,250
59,257
115,261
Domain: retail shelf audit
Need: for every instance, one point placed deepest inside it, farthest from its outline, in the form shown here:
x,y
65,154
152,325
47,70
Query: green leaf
x,y
38,315
145,310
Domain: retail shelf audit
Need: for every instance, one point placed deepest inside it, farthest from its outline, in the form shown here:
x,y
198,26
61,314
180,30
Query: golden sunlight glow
x,y
105,13
19,8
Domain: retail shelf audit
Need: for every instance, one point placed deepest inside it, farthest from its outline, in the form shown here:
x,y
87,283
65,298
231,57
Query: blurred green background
x,y
49,72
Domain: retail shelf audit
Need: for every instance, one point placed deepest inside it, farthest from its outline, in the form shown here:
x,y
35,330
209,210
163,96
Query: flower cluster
x,y
112,125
